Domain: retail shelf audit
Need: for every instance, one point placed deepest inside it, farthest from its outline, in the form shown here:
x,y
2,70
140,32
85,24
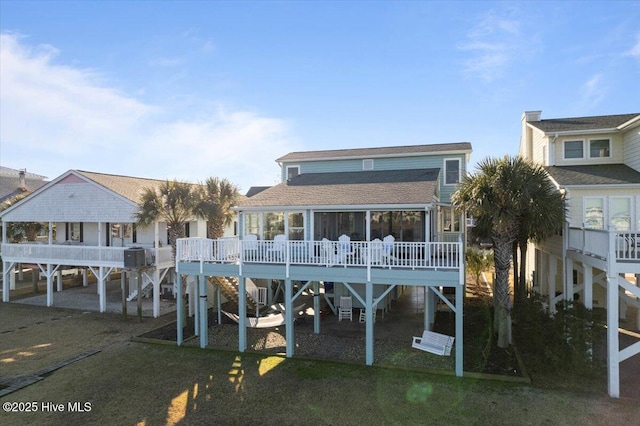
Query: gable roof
x,y
577,124
393,187
601,174
411,150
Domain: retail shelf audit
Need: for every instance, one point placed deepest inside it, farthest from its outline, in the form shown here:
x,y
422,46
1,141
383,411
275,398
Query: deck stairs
x,y
147,287
229,289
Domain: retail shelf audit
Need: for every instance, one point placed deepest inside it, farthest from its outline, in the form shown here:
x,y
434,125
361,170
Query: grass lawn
x,y
138,383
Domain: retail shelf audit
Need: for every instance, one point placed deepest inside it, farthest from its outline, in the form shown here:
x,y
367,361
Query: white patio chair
x,y
363,315
345,310
329,256
387,250
374,254
276,252
344,248
250,247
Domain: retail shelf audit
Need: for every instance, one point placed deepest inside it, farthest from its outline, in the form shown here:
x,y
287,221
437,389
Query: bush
x,y
571,341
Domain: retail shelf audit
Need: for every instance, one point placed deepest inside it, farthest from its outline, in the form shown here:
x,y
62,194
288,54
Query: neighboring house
x,y
90,222
355,223
596,162
14,183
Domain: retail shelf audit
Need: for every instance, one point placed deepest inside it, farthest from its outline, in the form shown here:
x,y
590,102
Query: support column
x,y
427,309
369,322
49,286
316,307
459,330
242,314
59,280
7,271
195,293
204,317
568,280
12,279
613,353
123,292
85,281
156,293
588,286
288,316
102,284
180,310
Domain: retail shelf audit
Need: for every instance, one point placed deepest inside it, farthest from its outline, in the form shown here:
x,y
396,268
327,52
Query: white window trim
x,y
367,164
599,139
444,167
287,171
564,151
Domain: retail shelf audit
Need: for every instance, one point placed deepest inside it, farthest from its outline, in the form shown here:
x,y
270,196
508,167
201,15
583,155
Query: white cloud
x,y
68,118
593,91
635,50
493,43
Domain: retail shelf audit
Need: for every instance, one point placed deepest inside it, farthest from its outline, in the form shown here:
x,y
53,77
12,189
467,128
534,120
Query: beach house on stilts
x,y
353,225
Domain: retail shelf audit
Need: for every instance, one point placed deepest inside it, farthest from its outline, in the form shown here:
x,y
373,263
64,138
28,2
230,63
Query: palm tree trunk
x,y
502,257
521,289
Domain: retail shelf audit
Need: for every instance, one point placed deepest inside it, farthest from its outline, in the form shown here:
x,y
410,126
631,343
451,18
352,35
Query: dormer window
x,y
573,149
599,148
292,171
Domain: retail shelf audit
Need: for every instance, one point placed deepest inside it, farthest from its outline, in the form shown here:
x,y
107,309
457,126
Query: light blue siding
x,y
388,163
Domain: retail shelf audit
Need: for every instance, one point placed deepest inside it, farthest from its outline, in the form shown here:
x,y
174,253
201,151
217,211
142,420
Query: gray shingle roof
x,y
414,186
600,122
603,174
375,152
126,186
10,183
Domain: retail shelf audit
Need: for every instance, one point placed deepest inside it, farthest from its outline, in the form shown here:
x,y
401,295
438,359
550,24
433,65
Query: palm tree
x,y
501,196
538,220
216,198
172,202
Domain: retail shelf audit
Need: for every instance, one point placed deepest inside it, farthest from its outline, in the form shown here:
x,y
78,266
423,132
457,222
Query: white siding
x,y
631,142
74,202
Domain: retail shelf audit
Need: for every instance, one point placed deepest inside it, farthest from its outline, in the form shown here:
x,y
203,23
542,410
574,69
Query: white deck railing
x,y
624,245
78,255
443,255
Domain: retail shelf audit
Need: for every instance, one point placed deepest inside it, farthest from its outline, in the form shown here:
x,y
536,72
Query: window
x,y
599,148
594,213
405,226
573,149
292,171
296,226
74,232
331,225
367,164
621,213
451,171
273,223
252,224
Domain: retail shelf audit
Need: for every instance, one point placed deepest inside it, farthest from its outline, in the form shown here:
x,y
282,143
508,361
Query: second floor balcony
x,y
618,248
371,254
82,255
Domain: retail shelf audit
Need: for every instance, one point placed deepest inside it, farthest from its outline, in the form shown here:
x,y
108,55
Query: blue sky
x,y
190,90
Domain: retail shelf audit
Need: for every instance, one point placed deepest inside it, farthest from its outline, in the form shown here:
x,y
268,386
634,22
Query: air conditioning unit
x,y
134,257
